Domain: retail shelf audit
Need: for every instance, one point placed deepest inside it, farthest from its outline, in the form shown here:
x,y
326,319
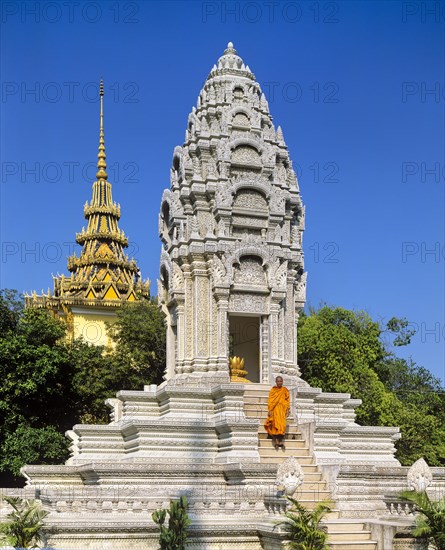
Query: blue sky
x,y
357,87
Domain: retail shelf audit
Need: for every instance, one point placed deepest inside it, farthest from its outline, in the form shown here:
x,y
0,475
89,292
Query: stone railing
x,y
276,505
144,507
400,508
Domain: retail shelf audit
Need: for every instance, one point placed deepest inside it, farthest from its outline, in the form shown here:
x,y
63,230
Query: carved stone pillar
x,y
295,342
201,315
222,297
180,334
171,347
188,322
273,332
266,373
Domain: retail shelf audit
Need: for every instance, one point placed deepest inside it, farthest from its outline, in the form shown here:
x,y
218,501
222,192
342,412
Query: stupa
x,y
232,284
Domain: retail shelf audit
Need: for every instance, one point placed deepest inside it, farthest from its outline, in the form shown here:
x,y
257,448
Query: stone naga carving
x,y
419,476
278,273
219,271
289,476
178,277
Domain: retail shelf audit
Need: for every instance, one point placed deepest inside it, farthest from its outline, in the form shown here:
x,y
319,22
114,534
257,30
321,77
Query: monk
x,y
278,410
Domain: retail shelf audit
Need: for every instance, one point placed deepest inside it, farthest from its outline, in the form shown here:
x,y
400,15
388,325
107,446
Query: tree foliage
x,y
430,523
140,337
302,526
340,350
23,527
174,535
48,384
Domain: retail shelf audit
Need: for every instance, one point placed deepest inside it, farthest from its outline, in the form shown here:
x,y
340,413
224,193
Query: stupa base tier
x,y
236,537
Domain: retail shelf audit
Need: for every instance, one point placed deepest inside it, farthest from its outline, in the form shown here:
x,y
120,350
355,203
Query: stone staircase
x,y
344,534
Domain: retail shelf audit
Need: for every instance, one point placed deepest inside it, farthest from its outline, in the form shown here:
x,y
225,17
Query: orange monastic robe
x,y
278,404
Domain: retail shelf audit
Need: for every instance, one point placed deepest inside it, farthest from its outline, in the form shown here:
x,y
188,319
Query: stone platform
x,y
208,443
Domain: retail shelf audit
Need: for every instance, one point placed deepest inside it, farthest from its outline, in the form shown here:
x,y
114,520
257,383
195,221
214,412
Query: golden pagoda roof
x,y
102,274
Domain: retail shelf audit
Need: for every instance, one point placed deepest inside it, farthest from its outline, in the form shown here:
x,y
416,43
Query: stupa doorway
x,y
244,342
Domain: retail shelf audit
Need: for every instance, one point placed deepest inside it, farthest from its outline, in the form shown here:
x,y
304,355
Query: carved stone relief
x,y
241,119
248,303
250,271
246,155
250,200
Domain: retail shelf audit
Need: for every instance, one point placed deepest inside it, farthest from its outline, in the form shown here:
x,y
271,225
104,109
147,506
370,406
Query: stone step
x,y
311,496
347,536
332,515
312,477
262,389
343,525
292,435
351,545
307,468
289,442
290,448
308,503
291,445
255,402
291,429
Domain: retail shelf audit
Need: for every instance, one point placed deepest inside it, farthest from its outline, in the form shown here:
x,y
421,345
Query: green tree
x,y
11,308
173,536
345,351
430,524
400,328
48,384
30,445
23,527
140,337
34,391
337,349
302,526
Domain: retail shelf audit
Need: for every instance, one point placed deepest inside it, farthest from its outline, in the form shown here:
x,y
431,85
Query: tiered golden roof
x,y
102,275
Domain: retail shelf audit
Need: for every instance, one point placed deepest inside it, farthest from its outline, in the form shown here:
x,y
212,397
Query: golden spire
x,y
101,164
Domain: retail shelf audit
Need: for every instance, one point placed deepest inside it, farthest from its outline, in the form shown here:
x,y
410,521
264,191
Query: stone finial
x,y
419,476
231,63
230,48
289,476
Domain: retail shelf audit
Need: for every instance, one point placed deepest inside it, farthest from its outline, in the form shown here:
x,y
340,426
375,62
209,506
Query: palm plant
x,y
173,537
302,526
23,527
430,524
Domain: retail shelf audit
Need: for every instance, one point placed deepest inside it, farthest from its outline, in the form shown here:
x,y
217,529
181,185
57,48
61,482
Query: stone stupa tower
x,y
102,276
232,284
232,279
